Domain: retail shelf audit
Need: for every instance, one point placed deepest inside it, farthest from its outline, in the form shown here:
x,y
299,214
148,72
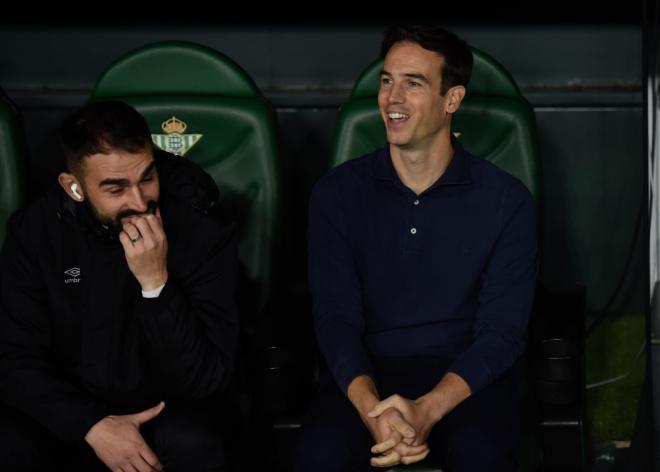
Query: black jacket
x,y
78,341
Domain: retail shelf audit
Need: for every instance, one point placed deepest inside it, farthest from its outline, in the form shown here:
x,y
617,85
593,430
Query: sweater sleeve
x,y
336,290
506,295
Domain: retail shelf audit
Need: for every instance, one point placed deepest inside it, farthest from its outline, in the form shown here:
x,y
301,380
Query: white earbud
x,y
74,190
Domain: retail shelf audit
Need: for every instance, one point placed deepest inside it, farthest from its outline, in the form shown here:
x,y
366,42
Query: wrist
x,y
433,406
92,432
154,282
363,394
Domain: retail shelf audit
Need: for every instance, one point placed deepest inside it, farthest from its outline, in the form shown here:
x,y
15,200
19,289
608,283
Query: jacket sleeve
x,y
336,290
191,328
30,383
506,294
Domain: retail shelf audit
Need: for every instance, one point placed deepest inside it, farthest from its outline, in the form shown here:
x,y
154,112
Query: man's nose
x,y
396,94
137,201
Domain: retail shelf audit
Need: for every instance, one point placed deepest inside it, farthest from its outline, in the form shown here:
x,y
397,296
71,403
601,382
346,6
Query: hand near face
x,y
145,248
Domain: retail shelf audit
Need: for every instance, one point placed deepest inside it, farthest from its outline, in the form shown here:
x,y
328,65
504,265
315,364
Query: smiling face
x,y
121,184
416,115
117,184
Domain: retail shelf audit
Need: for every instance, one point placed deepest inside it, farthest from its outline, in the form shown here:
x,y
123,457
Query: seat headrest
x,y
174,68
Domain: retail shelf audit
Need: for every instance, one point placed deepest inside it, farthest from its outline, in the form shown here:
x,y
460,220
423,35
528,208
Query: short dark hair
x,y
457,66
100,127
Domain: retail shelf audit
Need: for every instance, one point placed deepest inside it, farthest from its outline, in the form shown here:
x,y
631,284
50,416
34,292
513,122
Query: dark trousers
x,y
481,434
185,437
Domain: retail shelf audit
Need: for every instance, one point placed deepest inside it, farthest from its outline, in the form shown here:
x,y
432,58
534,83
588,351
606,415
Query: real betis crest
x,y
175,141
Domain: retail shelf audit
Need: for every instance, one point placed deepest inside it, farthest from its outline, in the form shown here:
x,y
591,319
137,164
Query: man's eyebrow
x,y
120,182
124,182
411,75
421,77
148,170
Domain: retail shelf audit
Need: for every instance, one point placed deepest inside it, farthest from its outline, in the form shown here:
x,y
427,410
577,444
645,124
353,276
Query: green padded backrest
x,y
11,167
205,107
494,122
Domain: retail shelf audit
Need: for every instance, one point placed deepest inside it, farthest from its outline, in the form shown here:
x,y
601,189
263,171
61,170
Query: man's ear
x,y
455,96
71,186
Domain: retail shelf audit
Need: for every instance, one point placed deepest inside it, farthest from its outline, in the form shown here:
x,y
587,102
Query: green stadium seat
x,y
495,122
202,106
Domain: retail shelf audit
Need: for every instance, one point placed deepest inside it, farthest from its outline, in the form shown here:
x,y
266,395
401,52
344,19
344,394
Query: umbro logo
x,y
73,271
74,274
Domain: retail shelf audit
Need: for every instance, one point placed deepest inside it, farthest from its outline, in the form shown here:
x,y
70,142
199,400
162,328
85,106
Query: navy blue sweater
x,y
449,273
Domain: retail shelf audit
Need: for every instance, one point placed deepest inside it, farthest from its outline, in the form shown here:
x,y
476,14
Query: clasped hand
x,y
400,427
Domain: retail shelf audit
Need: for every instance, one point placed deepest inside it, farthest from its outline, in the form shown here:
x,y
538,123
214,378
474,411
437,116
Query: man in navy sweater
x,y
422,270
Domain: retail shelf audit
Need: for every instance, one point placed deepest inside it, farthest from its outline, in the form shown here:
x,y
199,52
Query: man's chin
x,y
105,221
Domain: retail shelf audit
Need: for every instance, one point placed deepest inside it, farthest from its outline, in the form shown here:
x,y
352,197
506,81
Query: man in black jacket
x,y
118,325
